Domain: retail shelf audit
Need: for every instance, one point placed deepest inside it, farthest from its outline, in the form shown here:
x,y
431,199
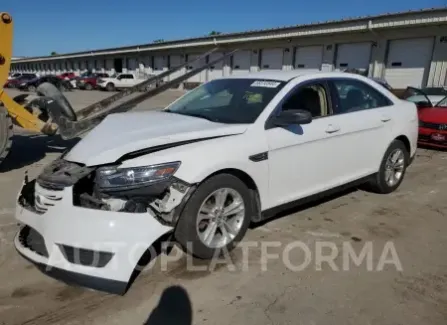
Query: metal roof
x,y
315,28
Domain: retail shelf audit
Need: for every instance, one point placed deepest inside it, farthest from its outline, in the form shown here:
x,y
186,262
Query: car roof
x,y
287,75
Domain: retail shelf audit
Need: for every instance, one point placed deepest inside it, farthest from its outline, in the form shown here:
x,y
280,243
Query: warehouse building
x,y
407,49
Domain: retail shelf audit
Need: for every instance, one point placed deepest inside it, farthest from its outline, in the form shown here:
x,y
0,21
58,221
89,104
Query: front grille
x,y
433,126
85,257
32,240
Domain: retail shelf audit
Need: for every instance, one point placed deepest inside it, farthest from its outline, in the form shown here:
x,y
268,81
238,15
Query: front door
x,y
301,157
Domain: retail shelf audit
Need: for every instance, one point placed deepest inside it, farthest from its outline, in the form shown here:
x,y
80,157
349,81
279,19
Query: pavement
x,y
303,267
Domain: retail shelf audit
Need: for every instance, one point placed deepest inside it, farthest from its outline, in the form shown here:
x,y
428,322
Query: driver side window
x,y
311,97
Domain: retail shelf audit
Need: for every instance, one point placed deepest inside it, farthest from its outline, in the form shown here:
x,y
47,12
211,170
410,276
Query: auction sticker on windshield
x,y
265,84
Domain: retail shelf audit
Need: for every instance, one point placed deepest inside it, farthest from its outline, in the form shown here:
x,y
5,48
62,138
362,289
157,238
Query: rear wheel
x,y
392,169
50,90
6,133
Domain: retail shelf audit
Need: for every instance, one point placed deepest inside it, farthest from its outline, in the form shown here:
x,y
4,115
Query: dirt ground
x,y
403,282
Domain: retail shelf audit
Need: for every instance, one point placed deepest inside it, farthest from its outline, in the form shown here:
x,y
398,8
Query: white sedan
x,y
231,152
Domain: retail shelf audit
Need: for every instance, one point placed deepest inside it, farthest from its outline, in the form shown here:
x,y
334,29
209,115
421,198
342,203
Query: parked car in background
x,y
14,75
434,94
432,119
15,82
31,85
122,80
89,82
232,152
383,82
66,75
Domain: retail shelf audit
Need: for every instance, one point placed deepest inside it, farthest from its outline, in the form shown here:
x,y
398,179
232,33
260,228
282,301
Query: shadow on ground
x,y
174,308
29,149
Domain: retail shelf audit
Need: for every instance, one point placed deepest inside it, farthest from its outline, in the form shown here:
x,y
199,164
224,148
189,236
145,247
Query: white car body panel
x,y
306,161
140,130
101,230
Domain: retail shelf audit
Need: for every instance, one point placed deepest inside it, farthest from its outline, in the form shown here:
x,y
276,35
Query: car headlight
x,y
112,177
23,84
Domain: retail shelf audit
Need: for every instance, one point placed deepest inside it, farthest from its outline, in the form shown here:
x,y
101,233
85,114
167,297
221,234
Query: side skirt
x,y
272,212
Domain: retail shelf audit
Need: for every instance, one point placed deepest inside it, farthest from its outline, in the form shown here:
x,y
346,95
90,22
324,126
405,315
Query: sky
x,y
63,26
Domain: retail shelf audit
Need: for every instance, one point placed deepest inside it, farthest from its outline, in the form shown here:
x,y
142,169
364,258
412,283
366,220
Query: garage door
x,y
131,64
175,61
309,58
159,64
271,59
241,62
408,62
216,70
353,56
200,77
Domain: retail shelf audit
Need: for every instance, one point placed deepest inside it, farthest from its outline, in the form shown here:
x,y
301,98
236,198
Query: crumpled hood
x,y
122,133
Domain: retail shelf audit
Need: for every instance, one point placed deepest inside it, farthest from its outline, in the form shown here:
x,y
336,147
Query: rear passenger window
x,y
354,95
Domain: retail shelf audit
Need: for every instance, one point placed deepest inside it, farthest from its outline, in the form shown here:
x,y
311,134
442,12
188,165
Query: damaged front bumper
x,y
92,246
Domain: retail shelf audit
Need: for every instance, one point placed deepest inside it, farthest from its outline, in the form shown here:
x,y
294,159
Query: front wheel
x,y
110,87
392,169
216,217
88,87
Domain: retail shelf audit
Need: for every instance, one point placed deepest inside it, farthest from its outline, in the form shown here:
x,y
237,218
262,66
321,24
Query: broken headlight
x,y
111,177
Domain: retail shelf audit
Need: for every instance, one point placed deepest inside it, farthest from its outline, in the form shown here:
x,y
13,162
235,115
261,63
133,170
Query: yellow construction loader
x,y
52,114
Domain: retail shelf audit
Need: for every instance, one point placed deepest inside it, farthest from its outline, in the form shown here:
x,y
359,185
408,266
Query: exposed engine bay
x,y
165,199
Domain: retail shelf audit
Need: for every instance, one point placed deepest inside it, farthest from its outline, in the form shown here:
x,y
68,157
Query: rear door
x,y
363,118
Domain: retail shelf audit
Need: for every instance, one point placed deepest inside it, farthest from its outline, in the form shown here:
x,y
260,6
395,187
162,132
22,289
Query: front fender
x,y
201,159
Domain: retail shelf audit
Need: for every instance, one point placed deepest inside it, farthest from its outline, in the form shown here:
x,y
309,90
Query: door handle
x,y
385,118
332,128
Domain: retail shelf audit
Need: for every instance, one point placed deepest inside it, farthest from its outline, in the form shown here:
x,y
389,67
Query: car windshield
x,y
236,101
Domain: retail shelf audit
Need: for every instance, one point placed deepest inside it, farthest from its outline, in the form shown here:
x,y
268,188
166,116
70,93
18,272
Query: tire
x,y
110,87
49,90
378,183
188,233
6,133
31,89
88,87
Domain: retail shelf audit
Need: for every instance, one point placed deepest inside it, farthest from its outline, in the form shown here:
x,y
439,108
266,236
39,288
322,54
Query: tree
x,y
53,53
214,33
159,40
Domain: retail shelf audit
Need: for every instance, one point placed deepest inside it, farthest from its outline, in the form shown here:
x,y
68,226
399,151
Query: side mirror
x,y
290,117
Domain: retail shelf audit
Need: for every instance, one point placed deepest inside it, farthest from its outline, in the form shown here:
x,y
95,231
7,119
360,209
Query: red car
x,y
15,82
66,75
88,81
432,119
